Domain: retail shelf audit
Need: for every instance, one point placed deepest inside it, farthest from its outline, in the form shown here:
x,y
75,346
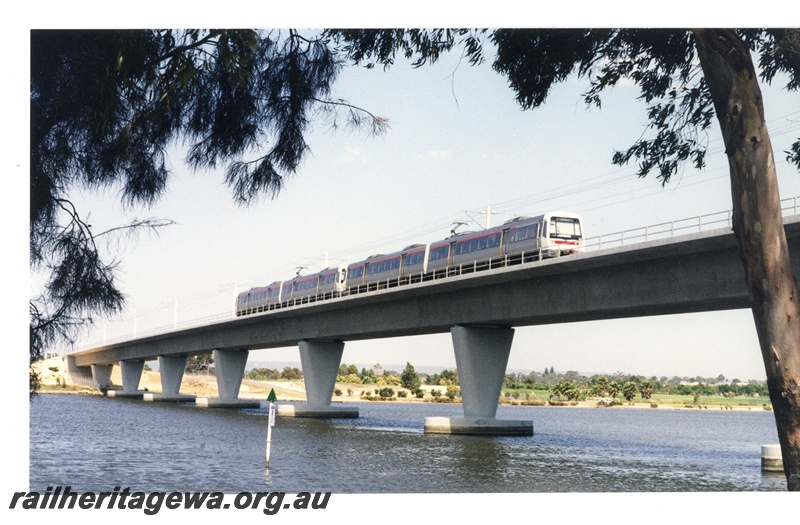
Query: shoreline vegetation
x,y
56,380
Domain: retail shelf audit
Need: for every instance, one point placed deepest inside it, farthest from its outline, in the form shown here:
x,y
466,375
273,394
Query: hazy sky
x,y
457,142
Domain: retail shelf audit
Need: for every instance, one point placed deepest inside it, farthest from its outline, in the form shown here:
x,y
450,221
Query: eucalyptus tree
x,y
105,107
687,77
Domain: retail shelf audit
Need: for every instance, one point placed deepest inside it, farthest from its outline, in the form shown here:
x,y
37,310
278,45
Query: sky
x,y
457,143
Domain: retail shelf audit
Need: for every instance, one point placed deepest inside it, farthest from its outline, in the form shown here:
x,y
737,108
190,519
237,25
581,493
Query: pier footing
x,y
475,426
216,402
169,398
771,458
321,412
127,395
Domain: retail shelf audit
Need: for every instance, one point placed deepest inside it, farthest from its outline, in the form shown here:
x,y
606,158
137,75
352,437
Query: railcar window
x,y
521,234
273,292
384,266
307,285
327,279
565,228
480,243
439,253
355,272
415,258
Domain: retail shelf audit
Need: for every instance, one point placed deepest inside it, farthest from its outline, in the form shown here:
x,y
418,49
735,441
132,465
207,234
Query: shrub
x,y
337,392
385,392
653,405
402,393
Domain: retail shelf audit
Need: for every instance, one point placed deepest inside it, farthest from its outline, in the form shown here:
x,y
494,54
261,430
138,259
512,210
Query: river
x,y
96,443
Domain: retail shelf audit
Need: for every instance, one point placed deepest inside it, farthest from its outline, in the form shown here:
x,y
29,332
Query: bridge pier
x,y
101,375
80,375
320,361
131,376
229,368
171,369
481,360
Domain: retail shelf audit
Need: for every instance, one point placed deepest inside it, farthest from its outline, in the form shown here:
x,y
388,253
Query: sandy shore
x,y
54,376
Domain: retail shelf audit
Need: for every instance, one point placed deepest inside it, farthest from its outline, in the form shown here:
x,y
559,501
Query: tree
x,y
682,101
599,385
646,389
452,392
614,388
200,363
409,378
106,105
629,390
291,373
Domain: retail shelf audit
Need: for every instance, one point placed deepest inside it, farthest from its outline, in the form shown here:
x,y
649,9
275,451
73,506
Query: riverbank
x,y
56,380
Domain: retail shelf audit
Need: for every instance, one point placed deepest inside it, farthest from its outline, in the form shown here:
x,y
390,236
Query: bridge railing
x,y
666,230
723,219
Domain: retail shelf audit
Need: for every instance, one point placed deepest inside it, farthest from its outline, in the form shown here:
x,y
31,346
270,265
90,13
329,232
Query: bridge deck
x,y
695,272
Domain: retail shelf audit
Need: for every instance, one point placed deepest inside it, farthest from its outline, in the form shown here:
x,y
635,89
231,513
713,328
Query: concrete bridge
x,y
691,273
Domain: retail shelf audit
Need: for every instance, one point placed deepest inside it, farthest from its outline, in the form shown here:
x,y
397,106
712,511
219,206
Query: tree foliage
x,y
200,363
409,378
106,106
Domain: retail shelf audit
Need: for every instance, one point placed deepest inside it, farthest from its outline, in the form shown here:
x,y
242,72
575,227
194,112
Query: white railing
x,y
712,221
723,219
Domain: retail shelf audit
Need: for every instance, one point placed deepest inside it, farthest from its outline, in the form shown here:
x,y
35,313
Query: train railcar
x,y
467,248
386,270
361,275
548,235
255,299
324,284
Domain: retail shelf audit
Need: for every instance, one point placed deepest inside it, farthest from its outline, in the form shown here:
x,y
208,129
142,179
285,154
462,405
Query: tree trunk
x,y
758,226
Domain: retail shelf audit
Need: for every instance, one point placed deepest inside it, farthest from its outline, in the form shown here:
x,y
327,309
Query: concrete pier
x,y
171,370
80,375
101,375
481,360
320,361
131,377
229,368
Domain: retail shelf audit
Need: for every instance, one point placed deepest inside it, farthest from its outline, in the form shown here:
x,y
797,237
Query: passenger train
x,y
522,239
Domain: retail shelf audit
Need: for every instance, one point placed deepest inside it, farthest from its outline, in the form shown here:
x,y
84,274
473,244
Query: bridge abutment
x,y
171,369
229,368
481,360
131,377
320,361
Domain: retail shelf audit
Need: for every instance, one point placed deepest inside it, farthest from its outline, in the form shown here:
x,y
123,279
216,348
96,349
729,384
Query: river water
x,y
96,443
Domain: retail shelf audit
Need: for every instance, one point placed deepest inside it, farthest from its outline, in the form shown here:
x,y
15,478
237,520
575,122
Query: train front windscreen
x,y
565,228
